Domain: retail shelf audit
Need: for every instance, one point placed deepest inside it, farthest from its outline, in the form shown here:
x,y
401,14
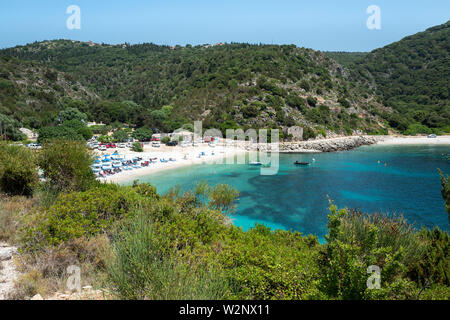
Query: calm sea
x,y
392,179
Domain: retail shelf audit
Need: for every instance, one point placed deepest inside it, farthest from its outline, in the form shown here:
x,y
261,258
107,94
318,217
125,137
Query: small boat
x,y
298,163
255,163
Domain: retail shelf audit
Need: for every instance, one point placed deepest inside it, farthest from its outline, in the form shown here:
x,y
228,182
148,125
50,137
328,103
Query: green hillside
x,y
403,86
224,85
33,93
346,58
412,77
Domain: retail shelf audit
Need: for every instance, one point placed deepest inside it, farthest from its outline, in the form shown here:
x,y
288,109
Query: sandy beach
x,y
183,156
404,140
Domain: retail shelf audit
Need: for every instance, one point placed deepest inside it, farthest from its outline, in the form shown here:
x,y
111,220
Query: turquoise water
x,y
296,198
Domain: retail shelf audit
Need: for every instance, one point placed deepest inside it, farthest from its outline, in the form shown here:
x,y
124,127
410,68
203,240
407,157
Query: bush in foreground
x,y
66,166
411,262
142,269
183,246
83,214
18,170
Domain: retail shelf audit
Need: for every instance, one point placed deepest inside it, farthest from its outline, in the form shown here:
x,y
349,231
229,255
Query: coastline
x,y
183,156
189,156
408,140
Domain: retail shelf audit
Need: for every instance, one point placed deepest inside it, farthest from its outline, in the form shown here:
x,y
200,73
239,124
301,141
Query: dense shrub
x,y
142,134
308,133
120,136
18,170
311,101
9,128
66,166
357,241
295,102
143,269
264,264
165,140
250,111
47,134
137,147
414,129
84,214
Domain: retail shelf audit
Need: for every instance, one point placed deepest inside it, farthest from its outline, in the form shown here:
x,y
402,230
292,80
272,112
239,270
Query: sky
x,y
329,25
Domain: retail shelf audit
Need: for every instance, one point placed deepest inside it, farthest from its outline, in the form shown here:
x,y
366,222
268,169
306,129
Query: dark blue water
x,y
405,181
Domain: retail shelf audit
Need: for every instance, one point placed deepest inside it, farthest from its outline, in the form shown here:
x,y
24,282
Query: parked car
x,y
432,136
102,147
34,146
129,145
172,143
93,145
156,144
111,145
155,139
121,145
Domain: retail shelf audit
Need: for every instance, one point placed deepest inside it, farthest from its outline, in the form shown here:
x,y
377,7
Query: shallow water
x,y
296,198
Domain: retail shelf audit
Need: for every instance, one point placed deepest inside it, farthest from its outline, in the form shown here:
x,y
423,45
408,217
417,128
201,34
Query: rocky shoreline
x,y
322,145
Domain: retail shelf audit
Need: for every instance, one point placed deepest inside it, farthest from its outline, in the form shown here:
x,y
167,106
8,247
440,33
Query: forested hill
x,y
346,59
412,76
33,93
225,85
402,86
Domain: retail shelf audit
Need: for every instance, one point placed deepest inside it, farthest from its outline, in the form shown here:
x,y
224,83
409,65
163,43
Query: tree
x,y
47,134
85,132
18,170
142,134
9,128
80,128
165,140
308,133
72,114
295,101
66,166
120,136
137,147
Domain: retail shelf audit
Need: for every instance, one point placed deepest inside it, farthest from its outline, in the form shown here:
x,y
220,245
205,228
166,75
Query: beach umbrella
x,y
97,161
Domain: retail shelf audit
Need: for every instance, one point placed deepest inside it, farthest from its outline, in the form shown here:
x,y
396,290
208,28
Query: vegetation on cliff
x,y
142,245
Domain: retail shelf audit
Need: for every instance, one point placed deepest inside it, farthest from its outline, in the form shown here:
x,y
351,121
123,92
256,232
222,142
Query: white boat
x,y
255,163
